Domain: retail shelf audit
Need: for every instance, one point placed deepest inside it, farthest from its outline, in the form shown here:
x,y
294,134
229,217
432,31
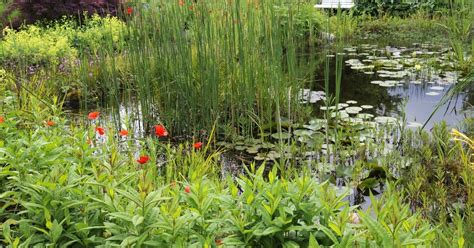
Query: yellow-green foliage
x,y
36,44
101,31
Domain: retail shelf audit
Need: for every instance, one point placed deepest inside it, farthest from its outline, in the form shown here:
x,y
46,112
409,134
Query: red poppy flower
x,y
181,3
187,189
143,159
197,145
219,242
160,131
129,11
2,119
93,115
123,133
100,130
50,123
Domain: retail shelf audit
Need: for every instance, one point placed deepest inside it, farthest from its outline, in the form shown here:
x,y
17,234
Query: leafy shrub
x,y
305,20
385,7
60,41
98,32
36,45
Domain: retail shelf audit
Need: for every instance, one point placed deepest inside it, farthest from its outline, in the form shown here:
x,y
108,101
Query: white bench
x,y
334,4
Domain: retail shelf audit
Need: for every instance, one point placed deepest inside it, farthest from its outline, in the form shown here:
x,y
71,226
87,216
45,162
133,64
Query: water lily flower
x,y
197,145
93,115
160,131
129,11
100,130
2,119
187,189
143,159
123,133
51,123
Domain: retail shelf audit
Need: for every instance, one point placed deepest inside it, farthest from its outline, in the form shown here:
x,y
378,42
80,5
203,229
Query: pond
x,y
400,82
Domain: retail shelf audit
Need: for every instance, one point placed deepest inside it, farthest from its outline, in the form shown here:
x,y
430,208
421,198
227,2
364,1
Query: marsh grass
x,y
192,65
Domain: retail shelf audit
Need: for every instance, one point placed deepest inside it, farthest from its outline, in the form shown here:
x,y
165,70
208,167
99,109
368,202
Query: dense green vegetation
x,y
181,124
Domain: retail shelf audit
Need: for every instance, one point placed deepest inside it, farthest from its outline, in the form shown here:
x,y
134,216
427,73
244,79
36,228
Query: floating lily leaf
x,y
367,106
365,116
281,135
353,110
267,145
273,155
259,157
342,105
432,93
351,102
239,148
340,114
252,150
436,88
303,132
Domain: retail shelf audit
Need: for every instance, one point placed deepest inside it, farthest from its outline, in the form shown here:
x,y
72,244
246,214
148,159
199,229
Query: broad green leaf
x,y
313,243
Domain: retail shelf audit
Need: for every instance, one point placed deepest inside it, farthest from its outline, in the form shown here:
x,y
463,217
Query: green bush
x,y
60,41
36,45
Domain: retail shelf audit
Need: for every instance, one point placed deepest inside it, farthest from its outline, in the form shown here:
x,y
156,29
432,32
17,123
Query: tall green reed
x,y
193,64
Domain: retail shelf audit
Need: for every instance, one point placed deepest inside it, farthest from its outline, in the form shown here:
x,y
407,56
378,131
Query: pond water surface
x,y
400,82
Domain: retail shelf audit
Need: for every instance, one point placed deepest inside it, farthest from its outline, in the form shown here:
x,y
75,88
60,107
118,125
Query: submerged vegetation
x,y
229,123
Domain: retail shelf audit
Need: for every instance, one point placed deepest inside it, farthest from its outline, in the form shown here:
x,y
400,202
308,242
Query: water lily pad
x,y
436,88
342,105
239,148
351,102
367,106
260,157
282,135
267,145
303,132
353,110
340,114
272,155
252,150
385,84
432,93
365,116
